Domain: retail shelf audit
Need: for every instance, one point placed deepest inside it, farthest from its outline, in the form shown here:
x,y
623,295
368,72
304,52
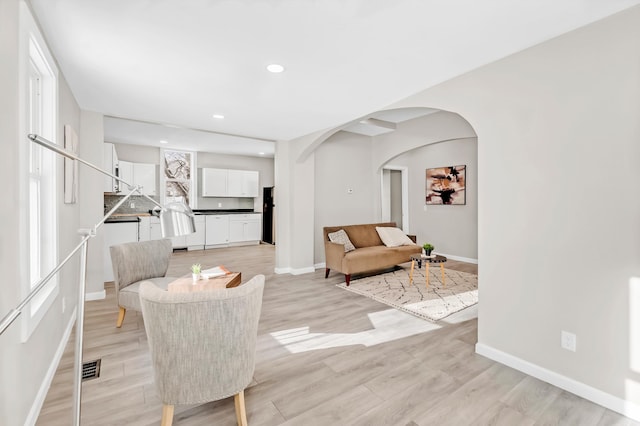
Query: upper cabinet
x,y
229,183
141,174
110,164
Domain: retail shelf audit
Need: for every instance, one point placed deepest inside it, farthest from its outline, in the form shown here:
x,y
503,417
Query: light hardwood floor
x,y
325,356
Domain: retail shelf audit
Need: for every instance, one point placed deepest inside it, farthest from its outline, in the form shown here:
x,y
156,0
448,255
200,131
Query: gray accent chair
x,y
134,263
202,344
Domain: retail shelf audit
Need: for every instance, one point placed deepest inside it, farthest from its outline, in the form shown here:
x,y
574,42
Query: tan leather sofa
x,y
370,254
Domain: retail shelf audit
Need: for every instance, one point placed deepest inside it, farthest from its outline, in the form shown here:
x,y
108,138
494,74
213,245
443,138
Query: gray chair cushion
x,y
130,297
203,343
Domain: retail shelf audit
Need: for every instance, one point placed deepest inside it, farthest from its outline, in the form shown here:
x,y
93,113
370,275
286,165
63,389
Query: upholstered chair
x,y
137,262
202,344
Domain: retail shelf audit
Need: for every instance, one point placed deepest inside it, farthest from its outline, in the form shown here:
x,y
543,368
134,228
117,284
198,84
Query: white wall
x,y
91,200
25,368
558,208
452,229
342,163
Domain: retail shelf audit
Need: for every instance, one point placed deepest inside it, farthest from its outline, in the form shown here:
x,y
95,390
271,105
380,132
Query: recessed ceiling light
x,y
261,153
218,116
275,68
164,142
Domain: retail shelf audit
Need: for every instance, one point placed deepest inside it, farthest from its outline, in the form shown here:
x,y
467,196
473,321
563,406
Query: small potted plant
x,y
195,271
426,248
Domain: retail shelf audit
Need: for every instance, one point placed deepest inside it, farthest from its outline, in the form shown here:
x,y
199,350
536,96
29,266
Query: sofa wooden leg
x,y
347,278
120,317
326,273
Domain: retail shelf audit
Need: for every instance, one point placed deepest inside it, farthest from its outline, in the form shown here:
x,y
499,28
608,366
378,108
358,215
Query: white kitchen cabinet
x,y
144,228
229,183
116,233
110,164
145,175
155,233
244,227
217,230
196,241
242,183
141,174
214,182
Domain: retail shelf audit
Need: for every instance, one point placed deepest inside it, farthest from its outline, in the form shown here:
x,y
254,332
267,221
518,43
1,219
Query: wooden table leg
x,y
426,273
411,272
442,270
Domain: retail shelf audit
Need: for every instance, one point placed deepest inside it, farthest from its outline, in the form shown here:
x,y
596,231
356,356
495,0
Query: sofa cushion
x,y
341,237
393,237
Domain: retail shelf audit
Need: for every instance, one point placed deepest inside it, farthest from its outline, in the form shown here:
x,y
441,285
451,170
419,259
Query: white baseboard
x,y
292,271
34,412
320,265
96,295
458,258
614,403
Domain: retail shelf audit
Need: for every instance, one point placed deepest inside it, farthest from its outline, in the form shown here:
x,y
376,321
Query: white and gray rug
x,y
433,303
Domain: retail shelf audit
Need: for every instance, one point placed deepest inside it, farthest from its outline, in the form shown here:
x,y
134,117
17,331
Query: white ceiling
x,y
179,62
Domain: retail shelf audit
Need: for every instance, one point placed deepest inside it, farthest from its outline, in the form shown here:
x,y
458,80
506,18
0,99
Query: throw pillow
x,y
393,237
341,237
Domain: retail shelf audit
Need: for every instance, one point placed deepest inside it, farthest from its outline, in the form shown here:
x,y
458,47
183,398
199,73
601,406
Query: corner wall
x,y
558,134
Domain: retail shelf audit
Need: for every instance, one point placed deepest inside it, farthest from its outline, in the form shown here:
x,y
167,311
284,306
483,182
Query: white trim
x,y
320,265
404,177
614,403
459,258
34,412
95,295
292,271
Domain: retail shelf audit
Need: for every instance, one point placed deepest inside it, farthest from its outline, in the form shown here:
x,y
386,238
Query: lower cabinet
x,y
244,227
116,233
213,230
196,240
217,230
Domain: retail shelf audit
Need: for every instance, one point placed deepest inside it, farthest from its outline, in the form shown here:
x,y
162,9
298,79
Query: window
x,y
40,117
178,177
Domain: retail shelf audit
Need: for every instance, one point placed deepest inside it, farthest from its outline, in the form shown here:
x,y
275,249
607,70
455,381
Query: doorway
x,y
394,196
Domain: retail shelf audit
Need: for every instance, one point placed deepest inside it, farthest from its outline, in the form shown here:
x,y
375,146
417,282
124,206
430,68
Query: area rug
x,y
433,303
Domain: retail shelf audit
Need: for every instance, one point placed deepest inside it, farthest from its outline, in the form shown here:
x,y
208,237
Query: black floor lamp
x,y
176,219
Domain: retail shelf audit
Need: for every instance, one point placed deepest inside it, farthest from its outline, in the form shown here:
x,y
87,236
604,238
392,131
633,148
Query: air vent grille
x,y
91,370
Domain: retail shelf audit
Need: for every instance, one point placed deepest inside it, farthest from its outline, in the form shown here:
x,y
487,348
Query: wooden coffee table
x,y
186,285
427,261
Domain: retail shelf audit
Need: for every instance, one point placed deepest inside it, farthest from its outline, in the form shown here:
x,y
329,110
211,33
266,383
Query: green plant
x,y
196,268
427,246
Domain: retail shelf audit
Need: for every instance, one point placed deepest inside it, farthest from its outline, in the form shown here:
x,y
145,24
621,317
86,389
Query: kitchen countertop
x,y
122,219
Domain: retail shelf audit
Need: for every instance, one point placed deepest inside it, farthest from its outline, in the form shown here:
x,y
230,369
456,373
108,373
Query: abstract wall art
x,y
446,185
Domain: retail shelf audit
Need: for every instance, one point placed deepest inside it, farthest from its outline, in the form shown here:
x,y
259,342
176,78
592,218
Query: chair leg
x,y
326,273
347,278
121,317
241,410
167,415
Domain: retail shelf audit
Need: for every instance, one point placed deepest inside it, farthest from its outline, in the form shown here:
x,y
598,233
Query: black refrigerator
x,y
268,215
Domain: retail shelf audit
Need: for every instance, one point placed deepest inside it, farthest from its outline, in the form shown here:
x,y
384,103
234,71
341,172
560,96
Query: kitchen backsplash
x,y
141,204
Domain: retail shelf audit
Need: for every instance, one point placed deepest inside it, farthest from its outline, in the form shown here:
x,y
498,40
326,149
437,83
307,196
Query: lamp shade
x,y
176,219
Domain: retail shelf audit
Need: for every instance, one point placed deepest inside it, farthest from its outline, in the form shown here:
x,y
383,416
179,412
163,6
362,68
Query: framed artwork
x,y
70,166
446,185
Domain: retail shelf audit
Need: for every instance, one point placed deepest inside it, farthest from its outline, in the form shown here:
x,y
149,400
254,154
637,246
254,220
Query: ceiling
x,y
176,63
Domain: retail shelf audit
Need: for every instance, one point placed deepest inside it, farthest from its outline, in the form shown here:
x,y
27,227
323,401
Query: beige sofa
x,y
370,253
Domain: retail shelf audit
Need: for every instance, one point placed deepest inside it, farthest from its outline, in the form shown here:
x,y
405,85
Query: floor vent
x,y
91,370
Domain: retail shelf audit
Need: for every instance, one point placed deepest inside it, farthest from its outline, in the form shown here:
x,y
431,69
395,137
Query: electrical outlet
x,y
64,304
132,205
568,341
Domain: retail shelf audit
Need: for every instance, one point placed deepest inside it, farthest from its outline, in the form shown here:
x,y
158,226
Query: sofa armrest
x,y
412,237
333,253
